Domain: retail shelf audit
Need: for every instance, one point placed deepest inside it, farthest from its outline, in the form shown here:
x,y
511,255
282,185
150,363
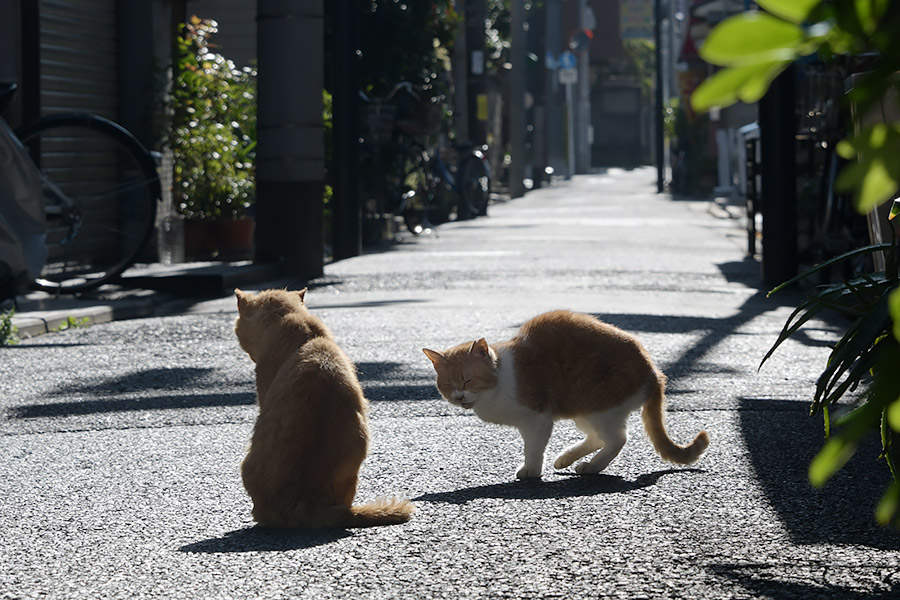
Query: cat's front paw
x,y
562,461
526,472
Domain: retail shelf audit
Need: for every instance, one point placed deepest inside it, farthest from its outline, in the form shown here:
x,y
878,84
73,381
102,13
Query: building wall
x,y
236,38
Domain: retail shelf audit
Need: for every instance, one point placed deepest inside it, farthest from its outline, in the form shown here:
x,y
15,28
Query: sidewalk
x,y
122,441
153,289
145,291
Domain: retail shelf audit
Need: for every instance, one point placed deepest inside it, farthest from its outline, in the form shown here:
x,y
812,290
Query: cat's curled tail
x,y
381,511
654,425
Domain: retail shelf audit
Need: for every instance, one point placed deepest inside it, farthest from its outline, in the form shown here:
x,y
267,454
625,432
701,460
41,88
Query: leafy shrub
x,y
754,47
865,358
213,135
420,38
8,330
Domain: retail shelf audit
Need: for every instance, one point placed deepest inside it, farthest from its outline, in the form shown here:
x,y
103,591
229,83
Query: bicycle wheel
x,y
100,188
475,186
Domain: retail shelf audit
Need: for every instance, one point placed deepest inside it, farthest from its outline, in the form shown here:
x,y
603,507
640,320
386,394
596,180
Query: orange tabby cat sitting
x,y
311,435
563,365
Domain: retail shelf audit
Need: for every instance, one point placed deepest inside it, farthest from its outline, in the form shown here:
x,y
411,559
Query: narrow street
x,y
122,441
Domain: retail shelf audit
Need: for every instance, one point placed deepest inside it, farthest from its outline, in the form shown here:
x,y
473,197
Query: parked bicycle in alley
x,y
79,201
402,170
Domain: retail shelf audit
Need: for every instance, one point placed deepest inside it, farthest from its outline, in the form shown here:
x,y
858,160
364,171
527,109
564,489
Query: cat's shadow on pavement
x,y
536,489
260,539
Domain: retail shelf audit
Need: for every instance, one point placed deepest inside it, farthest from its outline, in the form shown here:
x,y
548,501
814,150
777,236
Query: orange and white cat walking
x,y
563,365
311,435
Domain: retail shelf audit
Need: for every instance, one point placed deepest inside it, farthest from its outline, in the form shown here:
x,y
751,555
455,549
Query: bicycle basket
x,y
424,119
376,122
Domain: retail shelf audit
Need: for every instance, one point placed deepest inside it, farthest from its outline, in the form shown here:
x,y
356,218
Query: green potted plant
x,y
212,105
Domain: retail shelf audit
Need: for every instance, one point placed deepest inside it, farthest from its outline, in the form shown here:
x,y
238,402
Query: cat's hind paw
x,y
526,472
588,468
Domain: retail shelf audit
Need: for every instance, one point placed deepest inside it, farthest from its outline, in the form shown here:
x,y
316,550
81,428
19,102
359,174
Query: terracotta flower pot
x,y
219,239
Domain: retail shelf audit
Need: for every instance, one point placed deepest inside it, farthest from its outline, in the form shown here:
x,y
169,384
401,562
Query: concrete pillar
x,y
346,206
290,164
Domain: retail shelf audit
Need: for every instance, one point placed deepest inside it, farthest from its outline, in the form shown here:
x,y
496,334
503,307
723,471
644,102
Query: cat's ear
x,y
436,358
242,299
302,294
480,349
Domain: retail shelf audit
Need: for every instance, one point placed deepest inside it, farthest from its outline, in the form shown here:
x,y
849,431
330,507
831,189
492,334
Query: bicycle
x,y
390,159
99,188
469,181
401,176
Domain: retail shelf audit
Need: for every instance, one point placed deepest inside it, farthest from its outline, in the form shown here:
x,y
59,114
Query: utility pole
x,y
461,99
658,93
555,122
583,131
290,166
517,47
476,83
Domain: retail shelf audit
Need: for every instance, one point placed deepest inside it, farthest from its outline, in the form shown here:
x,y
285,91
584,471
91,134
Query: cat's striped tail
x,y
382,511
654,424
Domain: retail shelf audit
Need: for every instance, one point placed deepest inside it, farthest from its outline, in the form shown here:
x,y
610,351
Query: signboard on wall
x,y
636,19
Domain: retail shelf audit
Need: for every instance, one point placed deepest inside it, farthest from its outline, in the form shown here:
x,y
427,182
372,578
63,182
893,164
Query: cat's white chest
x,y
499,404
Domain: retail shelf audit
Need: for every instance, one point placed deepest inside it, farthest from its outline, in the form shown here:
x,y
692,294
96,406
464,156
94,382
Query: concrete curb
x,y
144,290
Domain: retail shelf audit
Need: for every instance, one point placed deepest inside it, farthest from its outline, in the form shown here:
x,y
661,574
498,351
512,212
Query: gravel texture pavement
x,y
121,441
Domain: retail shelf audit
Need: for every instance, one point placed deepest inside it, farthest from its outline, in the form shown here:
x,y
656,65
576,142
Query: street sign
x,y
568,74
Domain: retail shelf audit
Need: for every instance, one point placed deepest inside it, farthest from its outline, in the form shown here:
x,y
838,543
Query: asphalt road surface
x,y
121,442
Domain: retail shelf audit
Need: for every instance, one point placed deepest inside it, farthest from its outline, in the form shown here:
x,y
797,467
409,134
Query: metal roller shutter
x,y
78,56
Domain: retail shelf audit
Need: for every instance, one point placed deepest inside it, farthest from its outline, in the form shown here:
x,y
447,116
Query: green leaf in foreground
x,y
894,306
753,37
747,83
874,179
834,455
887,507
870,13
893,414
895,209
795,11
